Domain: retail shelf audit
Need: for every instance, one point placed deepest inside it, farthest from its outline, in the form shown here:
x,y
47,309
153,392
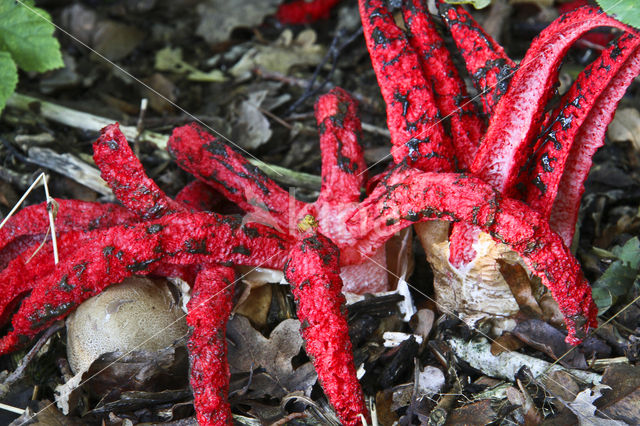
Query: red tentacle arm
x,y
343,166
23,262
587,109
209,309
108,256
126,177
455,197
229,173
198,196
71,215
304,12
451,95
588,140
313,270
28,268
486,61
412,114
515,121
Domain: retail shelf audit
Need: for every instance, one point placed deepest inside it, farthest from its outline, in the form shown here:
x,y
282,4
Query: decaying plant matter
x,y
514,201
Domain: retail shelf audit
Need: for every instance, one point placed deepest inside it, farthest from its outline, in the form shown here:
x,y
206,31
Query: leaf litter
x,y
280,363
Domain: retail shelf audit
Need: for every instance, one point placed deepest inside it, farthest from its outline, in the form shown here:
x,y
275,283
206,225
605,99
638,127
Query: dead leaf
x,y
560,384
252,128
626,127
282,55
46,414
518,279
249,350
622,402
133,401
256,304
548,339
550,310
477,413
584,409
422,322
8,196
163,93
218,18
115,372
506,342
170,60
115,40
384,403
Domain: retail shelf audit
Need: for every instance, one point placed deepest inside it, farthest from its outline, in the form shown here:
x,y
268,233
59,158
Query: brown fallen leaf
x,y
622,402
115,40
249,350
285,53
626,127
255,305
548,339
44,413
218,18
477,413
560,384
163,93
506,342
518,279
384,402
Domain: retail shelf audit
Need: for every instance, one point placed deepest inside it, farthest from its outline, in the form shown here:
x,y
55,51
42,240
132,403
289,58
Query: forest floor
x,y
254,80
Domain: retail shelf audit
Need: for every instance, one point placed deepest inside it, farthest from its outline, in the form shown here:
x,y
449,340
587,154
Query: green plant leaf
x,y
478,4
8,78
629,253
627,11
27,33
618,279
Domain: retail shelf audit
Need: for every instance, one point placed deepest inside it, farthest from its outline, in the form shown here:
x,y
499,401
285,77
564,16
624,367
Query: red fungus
x,y
313,270
412,113
458,197
209,309
516,118
343,177
107,256
563,153
304,11
450,92
515,105
170,240
487,63
125,175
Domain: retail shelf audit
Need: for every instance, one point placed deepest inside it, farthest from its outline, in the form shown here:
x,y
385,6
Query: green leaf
x,y
630,253
478,4
626,11
8,78
27,33
619,278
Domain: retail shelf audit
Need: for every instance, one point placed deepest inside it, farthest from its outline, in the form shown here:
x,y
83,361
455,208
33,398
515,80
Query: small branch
x,y
89,122
71,166
24,362
78,119
477,353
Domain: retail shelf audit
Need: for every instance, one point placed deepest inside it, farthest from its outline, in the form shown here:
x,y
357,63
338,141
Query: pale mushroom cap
x,y
136,314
